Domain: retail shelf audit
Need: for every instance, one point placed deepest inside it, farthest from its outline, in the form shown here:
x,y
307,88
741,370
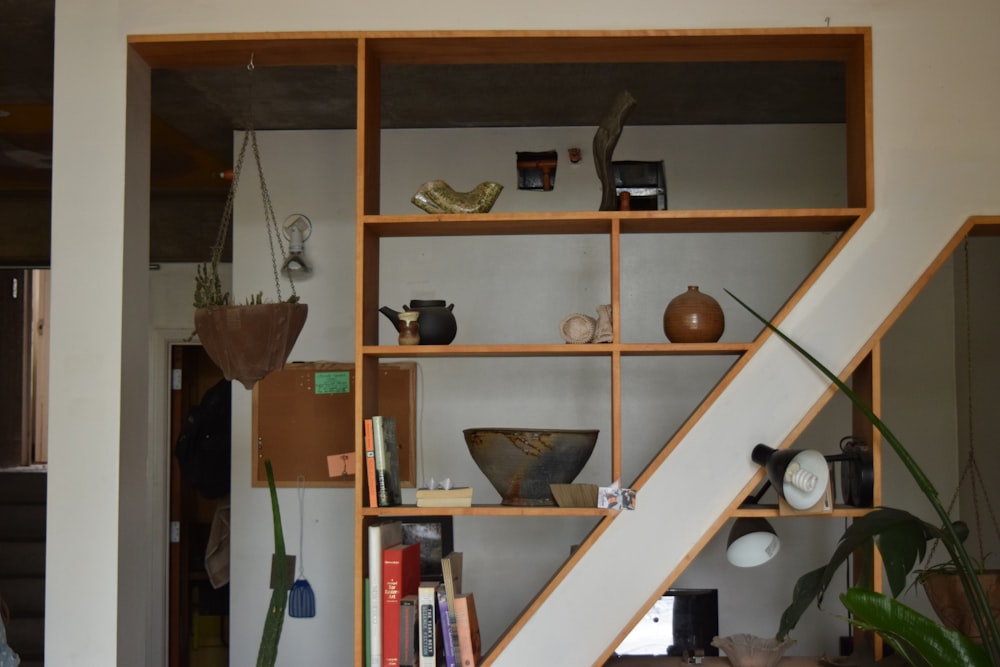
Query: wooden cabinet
x,y
379,53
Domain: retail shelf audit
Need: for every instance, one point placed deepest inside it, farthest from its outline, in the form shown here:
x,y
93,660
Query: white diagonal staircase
x,y
688,492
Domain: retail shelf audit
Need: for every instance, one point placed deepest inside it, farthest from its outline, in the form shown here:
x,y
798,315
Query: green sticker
x,y
333,382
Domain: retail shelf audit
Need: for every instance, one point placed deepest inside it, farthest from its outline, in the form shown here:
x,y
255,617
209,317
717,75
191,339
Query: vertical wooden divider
x,y
616,357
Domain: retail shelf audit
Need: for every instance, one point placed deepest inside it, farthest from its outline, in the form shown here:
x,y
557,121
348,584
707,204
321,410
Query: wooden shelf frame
x,y
851,46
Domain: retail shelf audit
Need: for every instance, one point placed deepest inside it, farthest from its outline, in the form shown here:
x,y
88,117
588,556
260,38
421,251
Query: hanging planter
x,y
946,593
249,341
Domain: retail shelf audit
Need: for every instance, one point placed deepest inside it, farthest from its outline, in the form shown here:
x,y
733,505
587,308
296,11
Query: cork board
x,y
305,413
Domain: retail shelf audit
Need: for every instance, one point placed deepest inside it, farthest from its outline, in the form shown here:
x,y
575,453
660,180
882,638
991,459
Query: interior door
x,y
199,613
15,350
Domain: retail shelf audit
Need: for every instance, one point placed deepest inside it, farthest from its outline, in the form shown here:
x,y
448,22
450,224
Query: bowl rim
x,y
532,430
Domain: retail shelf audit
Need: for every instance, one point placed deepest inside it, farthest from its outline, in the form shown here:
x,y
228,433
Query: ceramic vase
x,y
693,317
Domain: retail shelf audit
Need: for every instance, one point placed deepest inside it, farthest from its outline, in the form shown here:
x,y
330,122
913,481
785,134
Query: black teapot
x,y
436,321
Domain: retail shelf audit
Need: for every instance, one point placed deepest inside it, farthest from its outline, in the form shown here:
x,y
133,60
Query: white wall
x,y
935,148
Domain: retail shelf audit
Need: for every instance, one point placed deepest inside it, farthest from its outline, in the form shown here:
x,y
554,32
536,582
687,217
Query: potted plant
x,y
901,539
249,340
942,583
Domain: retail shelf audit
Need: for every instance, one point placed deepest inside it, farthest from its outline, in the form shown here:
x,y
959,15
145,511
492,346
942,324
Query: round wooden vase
x,y
693,317
248,342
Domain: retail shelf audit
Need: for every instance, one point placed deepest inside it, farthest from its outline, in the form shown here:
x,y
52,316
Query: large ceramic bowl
x,y
521,463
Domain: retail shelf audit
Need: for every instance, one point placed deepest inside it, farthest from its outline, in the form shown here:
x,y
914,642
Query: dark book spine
x,y
382,481
408,632
393,486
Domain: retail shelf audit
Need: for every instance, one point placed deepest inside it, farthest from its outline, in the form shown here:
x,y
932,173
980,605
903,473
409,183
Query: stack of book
x,y
382,462
414,622
457,497
448,626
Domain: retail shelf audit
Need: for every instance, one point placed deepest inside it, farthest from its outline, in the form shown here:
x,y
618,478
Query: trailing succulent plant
x,y
208,291
208,288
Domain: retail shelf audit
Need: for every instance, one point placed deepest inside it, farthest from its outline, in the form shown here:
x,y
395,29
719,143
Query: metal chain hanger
x,y
270,222
970,471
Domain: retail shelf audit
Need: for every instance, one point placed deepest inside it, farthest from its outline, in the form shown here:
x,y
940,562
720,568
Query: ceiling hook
x,y
250,65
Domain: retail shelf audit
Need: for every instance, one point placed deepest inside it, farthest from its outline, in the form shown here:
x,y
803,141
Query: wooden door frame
x,y
161,345
197,374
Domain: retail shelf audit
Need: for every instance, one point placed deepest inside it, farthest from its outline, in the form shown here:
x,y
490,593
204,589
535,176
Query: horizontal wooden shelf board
x,y
663,661
683,349
600,222
620,46
985,225
772,512
486,510
493,46
235,49
556,350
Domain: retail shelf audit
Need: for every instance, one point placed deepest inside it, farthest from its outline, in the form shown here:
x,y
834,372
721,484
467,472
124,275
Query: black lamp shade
x,y
752,542
800,476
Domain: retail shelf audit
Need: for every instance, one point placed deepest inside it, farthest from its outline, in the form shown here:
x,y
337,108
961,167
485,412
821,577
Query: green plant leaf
x,y
809,587
267,653
950,534
902,539
916,637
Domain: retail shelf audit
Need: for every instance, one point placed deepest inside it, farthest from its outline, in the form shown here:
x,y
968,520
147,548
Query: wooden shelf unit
x,y
851,45
368,52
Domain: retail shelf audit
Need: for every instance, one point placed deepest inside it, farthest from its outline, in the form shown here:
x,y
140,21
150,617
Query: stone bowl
x,y
745,650
521,463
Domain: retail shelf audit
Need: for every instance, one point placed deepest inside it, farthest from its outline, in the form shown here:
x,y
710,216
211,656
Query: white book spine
x,y
380,536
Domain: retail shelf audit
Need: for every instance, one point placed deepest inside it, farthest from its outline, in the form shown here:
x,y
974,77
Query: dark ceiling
x,y
196,110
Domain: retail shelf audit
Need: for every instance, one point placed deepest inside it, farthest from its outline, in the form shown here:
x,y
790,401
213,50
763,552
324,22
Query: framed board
x,y
304,414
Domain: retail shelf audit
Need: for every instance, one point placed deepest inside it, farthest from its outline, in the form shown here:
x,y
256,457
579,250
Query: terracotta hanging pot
x,y
693,317
248,342
947,597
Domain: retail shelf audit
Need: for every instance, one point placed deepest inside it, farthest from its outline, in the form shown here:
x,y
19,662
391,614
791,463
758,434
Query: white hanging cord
x,y
302,511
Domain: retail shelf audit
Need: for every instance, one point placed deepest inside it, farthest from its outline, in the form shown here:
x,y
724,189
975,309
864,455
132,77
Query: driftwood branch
x,y
605,141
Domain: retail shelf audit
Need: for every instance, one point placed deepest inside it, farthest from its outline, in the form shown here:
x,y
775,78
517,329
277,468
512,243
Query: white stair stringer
x,y
616,574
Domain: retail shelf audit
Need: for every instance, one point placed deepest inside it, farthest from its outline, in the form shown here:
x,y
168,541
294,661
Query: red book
x,y
400,577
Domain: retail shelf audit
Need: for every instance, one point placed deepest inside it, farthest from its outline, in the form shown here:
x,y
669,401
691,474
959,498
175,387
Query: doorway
x,y
198,610
24,353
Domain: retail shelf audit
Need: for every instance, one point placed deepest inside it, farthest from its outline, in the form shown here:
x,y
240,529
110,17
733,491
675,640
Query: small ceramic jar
x,y
409,328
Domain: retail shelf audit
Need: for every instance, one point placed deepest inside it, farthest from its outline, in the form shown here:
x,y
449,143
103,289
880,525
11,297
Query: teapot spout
x,y
391,314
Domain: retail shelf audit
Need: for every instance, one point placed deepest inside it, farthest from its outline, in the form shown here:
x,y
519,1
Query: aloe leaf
x,y
911,633
267,654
